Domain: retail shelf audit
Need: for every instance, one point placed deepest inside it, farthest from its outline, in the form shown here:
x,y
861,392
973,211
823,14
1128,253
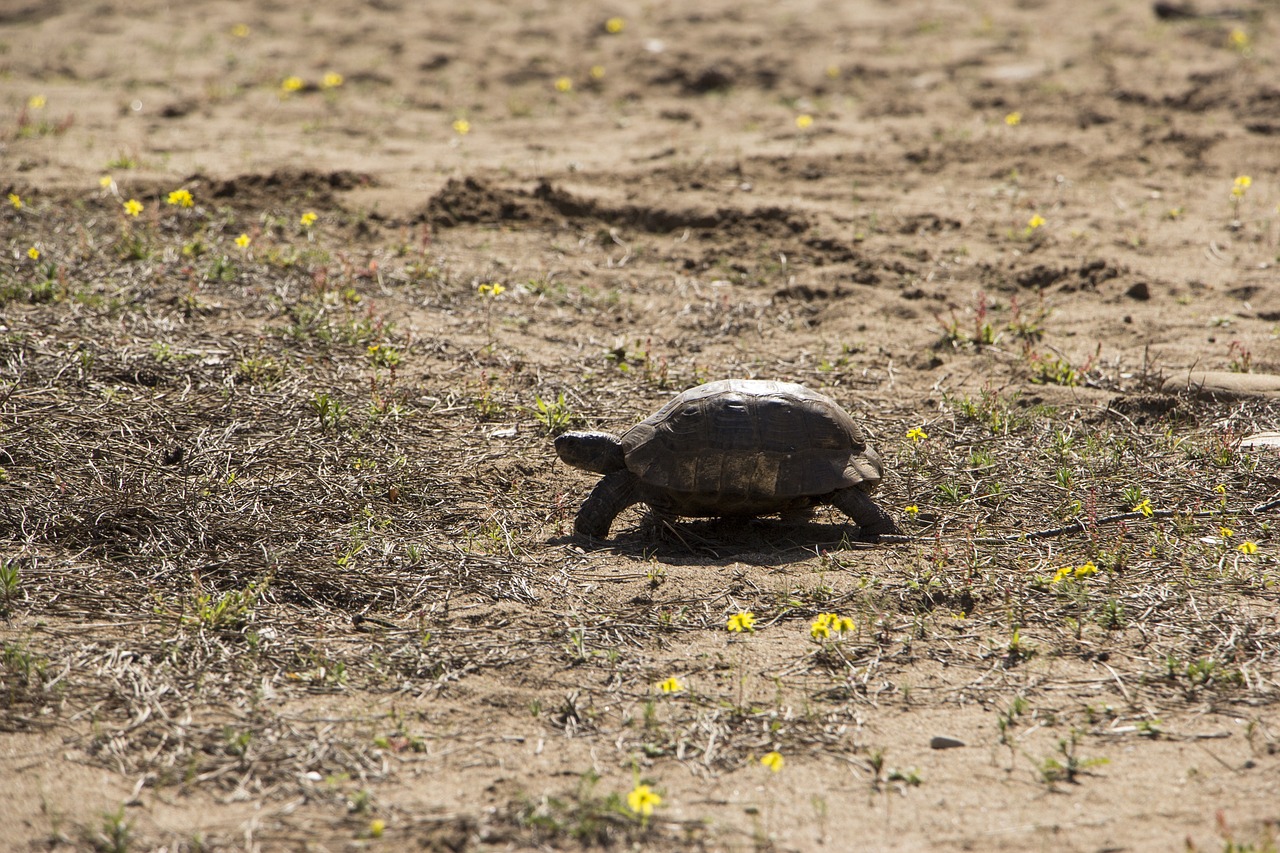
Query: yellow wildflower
x,y
613,26
181,198
772,760
917,434
1013,119
833,71
597,72
332,80
742,621
1087,569
1035,222
804,121
462,127
308,219
642,800
16,201
105,182
243,241
33,253
377,826
1240,185
133,207
912,510
1247,547
827,622
240,31
1239,39
36,102
1144,507
491,290
564,84
291,84
1221,488
1062,574
671,685
1226,532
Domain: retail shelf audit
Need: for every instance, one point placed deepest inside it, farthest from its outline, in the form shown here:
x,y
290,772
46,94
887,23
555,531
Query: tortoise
x,y
737,447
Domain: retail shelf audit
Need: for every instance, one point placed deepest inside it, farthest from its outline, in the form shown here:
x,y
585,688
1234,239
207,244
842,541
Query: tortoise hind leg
x,y
873,522
614,493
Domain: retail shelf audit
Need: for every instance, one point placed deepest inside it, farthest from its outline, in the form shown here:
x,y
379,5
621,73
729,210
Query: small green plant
x,y
113,835
259,370
1027,326
27,668
1051,370
384,356
1018,649
330,412
1132,495
1241,358
1067,765
10,581
1111,615
555,416
950,492
226,612
1006,720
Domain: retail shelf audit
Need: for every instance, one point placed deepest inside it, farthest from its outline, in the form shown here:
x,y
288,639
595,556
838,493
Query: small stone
x,y
944,742
1140,291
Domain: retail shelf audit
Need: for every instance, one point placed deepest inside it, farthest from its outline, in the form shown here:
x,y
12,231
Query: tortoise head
x,y
591,451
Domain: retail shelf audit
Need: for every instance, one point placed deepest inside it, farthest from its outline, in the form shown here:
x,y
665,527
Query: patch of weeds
x,y
384,356
1007,719
1265,843
584,816
1066,765
122,161
112,835
162,353
1000,414
486,405
1111,614
229,611
259,370
1027,326
45,289
653,372
1051,370
26,668
984,331
222,269
329,410
236,742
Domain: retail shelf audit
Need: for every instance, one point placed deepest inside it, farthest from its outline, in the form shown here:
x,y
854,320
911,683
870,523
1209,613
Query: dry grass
x,y
263,542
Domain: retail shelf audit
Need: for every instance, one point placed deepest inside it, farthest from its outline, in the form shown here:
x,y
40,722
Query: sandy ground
x,y
1007,223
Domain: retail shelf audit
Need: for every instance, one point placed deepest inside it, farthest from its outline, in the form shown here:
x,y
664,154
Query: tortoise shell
x,y
751,441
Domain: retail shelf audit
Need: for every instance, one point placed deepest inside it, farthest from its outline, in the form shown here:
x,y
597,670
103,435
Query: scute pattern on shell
x,y
753,441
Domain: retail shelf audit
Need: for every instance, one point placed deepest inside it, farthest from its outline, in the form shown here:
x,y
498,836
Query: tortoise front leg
x,y
873,522
614,493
